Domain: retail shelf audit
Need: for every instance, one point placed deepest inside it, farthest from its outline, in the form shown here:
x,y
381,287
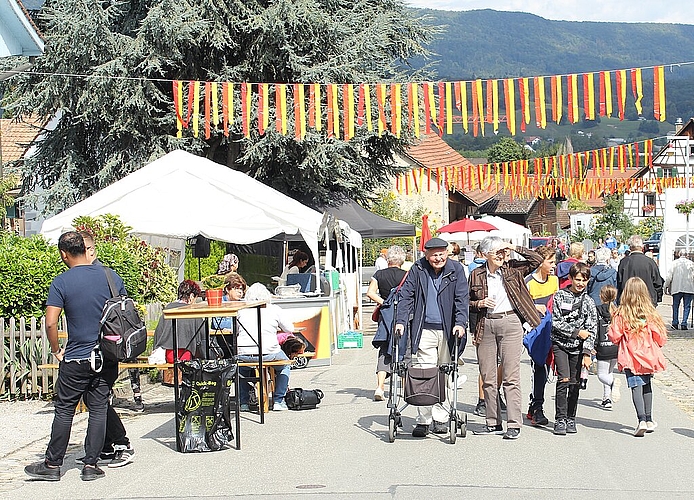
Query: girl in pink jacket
x,y
639,332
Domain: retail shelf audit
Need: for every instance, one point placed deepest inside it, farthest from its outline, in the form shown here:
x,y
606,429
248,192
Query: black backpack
x,y
122,336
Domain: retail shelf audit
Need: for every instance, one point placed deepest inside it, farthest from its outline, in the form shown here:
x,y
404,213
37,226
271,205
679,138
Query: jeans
x,y
676,299
281,376
539,383
568,367
75,380
115,430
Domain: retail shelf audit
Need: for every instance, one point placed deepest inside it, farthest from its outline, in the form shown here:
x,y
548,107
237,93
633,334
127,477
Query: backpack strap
x,y
111,284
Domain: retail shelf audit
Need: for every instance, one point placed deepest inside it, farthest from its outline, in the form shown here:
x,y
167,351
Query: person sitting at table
x,y
272,320
190,333
299,261
235,287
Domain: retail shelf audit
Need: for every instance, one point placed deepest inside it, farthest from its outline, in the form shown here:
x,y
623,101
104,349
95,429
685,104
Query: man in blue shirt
x,y
81,292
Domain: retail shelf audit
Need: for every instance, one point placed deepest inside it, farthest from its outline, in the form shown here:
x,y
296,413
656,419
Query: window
x,y
649,199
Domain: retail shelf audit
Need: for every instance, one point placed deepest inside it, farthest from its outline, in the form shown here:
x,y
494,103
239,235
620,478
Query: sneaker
x,y
641,429
512,433
571,426
683,327
91,472
245,407
279,406
481,408
378,395
489,430
420,431
674,327
138,405
106,456
616,393
122,457
538,418
439,427
43,471
650,426
606,404
560,427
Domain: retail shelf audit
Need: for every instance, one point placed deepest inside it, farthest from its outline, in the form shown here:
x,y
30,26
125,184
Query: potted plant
x,y
647,209
214,286
685,207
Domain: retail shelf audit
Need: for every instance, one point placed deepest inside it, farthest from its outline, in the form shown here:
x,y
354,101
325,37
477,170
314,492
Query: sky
x,y
631,11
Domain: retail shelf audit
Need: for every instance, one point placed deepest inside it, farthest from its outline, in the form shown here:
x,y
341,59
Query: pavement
x,y
341,449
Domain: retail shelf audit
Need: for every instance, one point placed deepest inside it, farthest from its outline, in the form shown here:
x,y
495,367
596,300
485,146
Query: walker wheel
x,y
452,429
463,427
392,429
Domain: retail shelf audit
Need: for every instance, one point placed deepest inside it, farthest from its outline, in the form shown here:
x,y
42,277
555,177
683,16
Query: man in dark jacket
x,y
434,304
638,264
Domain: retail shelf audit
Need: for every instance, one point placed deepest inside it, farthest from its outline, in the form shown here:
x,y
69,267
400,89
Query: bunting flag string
x,y
443,104
584,174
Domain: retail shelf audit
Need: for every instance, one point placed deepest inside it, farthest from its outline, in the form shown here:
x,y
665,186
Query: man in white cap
x,y
434,305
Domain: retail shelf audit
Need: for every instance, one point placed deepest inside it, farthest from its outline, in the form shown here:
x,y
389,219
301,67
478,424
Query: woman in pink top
x,y
639,332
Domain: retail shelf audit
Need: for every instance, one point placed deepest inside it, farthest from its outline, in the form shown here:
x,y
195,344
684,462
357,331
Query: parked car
x,y
540,241
652,244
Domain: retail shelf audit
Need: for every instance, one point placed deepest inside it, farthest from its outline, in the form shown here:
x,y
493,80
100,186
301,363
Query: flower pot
x,y
214,297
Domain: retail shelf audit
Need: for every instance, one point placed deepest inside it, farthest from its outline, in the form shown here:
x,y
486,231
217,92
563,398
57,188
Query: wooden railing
x,y
24,348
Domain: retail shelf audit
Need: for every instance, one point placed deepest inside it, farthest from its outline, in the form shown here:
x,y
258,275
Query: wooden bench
x,y
266,383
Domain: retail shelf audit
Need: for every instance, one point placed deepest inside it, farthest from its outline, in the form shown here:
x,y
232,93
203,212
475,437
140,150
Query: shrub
x,y
27,267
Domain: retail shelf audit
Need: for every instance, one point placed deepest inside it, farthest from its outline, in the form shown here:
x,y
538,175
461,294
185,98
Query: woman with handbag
x,y
382,282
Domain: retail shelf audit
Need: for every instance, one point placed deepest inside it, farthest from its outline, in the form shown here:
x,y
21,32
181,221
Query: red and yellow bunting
x,y
431,107
579,175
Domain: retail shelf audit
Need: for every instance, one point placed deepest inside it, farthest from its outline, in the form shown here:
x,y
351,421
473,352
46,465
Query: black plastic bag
x,y
204,408
303,399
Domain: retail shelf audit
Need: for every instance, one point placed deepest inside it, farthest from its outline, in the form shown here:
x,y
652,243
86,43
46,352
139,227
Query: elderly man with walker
x,y
434,304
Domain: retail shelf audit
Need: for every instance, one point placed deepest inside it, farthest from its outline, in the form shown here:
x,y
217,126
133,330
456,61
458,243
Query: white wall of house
x,y
675,228
581,221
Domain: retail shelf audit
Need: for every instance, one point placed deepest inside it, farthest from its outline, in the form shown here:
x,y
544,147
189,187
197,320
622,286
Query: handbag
x,y
303,399
376,315
425,386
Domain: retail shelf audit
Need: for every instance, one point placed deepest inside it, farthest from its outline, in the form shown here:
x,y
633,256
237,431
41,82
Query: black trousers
x,y
115,430
77,380
568,367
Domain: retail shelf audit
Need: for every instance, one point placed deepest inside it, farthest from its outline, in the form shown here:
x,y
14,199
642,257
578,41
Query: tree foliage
x,y
507,150
613,220
120,116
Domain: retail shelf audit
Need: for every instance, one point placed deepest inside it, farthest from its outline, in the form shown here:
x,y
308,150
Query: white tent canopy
x,y
519,235
181,195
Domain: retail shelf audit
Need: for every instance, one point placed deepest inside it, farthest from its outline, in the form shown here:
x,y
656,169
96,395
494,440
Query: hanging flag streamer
x,y
509,94
440,98
659,93
637,89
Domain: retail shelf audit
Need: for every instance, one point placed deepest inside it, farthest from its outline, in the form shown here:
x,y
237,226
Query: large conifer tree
x,y
106,77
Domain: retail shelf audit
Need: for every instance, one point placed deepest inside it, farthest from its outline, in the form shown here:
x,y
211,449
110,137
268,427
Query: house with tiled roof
x,y
669,162
16,139
19,35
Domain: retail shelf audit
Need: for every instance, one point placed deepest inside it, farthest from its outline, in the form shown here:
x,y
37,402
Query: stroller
x,y
406,385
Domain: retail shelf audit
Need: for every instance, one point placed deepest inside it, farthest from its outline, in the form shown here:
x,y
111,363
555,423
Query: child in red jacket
x,y
639,332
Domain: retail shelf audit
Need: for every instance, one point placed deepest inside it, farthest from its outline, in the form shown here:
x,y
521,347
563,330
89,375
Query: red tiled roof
x,y
17,136
432,152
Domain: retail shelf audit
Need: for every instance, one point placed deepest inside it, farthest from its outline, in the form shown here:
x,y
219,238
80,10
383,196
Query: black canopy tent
x,y
369,224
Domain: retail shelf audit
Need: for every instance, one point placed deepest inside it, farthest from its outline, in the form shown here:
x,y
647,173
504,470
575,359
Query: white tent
x,y
519,235
181,195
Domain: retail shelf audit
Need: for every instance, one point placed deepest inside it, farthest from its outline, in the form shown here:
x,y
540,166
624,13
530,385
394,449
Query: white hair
x,y
603,254
258,291
490,244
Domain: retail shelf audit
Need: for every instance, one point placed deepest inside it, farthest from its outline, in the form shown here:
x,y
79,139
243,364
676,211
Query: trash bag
x,y
204,407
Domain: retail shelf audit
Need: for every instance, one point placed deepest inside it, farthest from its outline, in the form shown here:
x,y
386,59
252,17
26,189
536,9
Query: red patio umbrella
x,y
466,226
426,232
